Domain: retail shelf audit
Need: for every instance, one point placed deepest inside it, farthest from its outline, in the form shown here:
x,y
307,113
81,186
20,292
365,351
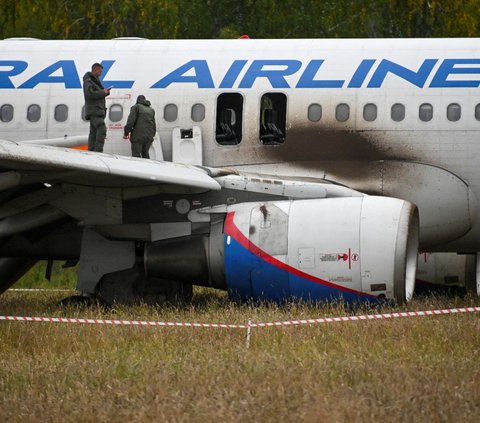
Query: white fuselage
x,y
348,102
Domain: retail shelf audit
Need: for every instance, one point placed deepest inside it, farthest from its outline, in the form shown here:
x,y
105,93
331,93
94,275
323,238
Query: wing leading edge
x,y
99,169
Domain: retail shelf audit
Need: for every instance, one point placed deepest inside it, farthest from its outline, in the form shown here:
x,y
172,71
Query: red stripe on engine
x,y
232,230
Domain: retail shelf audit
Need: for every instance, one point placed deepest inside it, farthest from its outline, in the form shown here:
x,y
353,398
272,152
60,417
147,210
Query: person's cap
x,y
97,65
141,98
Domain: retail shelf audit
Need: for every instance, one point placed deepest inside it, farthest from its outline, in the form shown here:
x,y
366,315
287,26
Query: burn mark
x,y
264,211
307,143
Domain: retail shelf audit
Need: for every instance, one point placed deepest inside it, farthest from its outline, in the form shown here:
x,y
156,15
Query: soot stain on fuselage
x,y
307,144
352,158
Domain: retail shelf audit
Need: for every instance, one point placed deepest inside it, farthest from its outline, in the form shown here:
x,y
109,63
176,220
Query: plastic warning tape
x,y
120,322
367,317
370,317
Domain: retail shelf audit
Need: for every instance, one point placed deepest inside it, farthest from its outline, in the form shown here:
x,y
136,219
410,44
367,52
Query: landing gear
x,y
78,301
110,270
133,286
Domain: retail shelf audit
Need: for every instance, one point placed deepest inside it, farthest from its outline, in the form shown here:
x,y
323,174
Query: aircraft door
x,y
118,108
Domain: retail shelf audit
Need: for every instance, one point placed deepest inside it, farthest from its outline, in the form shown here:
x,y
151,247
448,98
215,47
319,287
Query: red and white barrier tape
x,y
243,326
119,322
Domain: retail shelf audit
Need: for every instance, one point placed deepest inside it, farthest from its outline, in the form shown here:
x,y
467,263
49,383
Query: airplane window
x,y
314,112
6,113
228,129
115,113
477,112
273,116
83,114
61,113
342,112
198,112
34,112
425,112
170,112
370,112
454,112
397,113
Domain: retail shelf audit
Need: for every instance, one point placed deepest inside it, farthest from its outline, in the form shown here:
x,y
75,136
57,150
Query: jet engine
x,y
354,249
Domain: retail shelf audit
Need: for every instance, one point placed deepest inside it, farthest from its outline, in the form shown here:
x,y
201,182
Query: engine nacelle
x,y
359,248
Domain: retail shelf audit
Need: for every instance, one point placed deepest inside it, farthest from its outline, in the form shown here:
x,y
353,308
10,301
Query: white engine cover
x,y
350,248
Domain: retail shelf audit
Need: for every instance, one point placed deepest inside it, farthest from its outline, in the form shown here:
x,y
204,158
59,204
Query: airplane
x,y
282,169
445,273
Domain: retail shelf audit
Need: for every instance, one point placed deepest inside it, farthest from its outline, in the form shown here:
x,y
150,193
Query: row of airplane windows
x,y
115,113
342,112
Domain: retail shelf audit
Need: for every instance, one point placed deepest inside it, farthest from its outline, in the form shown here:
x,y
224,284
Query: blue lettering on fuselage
x,y
14,67
416,78
107,64
69,76
448,68
202,76
361,73
276,77
67,68
278,74
232,74
307,79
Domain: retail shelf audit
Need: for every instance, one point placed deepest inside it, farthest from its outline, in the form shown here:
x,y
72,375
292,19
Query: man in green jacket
x,y
95,110
140,127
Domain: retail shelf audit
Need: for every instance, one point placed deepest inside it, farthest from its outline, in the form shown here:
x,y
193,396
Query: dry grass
x,y
420,369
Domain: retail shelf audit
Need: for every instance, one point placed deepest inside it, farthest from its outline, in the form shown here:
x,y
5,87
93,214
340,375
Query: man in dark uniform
x,y
141,127
95,110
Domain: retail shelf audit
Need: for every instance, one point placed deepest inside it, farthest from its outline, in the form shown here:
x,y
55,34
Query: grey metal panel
x,y
100,256
29,220
90,208
161,231
29,201
444,201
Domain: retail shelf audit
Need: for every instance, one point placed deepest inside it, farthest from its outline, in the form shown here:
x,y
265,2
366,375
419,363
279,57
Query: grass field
x,y
61,278
423,369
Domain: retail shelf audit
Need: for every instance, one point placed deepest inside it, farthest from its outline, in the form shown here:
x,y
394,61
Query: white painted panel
x,y
185,149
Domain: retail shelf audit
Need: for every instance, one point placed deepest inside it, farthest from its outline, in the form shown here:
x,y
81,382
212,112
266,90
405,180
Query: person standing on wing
x,y
95,110
140,127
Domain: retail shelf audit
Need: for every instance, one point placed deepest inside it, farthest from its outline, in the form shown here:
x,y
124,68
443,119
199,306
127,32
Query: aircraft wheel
x,y
133,285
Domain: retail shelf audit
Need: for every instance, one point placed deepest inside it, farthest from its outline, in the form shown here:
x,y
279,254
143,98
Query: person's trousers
x,y
140,149
98,133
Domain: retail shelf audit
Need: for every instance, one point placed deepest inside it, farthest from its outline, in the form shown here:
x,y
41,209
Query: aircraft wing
x,y
95,169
